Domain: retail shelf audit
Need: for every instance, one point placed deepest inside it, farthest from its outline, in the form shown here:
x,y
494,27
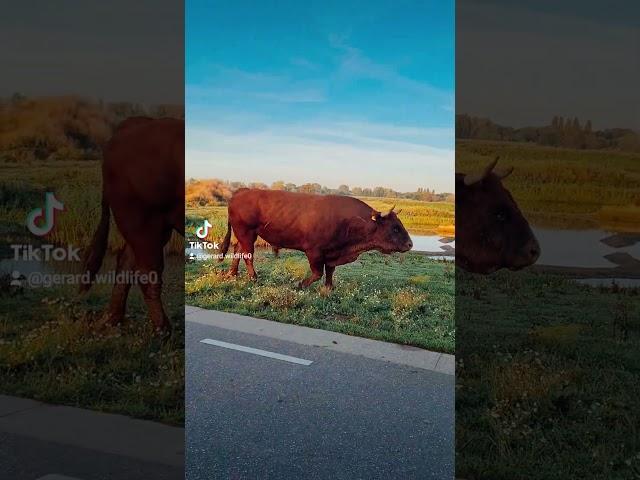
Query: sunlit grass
x,y
559,186
406,298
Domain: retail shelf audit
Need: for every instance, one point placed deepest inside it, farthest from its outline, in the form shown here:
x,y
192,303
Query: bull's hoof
x,y
164,330
253,278
110,319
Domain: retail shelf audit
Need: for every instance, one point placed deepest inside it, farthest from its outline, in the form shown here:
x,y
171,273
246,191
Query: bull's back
x,y
144,162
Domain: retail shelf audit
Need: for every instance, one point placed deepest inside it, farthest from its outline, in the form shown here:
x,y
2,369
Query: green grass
x,y
56,350
548,379
407,299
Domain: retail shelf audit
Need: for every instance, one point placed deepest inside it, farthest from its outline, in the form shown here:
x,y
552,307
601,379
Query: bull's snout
x,y
527,255
532,251
409,245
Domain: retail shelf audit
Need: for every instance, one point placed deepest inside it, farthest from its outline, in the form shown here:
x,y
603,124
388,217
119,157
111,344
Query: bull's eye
x,y
396,229
501,216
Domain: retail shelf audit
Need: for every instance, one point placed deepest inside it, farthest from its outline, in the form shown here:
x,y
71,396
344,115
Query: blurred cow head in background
x,y
491,232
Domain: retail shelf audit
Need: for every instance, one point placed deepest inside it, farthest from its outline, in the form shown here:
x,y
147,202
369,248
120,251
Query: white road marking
x,y
257,351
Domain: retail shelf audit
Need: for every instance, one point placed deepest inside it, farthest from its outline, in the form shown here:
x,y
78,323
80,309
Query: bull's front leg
x,y
328,279
316,262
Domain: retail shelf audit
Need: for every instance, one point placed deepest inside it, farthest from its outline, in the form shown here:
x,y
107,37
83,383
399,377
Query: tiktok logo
x,y
46,216
203,231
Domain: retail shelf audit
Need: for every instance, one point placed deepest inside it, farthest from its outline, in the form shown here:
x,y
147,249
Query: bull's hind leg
x,y
120,292
246,240
149,255
316,262
235,262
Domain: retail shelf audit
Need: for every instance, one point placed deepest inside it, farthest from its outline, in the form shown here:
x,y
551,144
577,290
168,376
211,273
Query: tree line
x,y
568,132
65,128
209,192
424,194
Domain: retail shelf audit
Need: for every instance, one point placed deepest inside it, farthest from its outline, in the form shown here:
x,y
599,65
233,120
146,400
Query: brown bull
x,y
331,230
491,232
142,184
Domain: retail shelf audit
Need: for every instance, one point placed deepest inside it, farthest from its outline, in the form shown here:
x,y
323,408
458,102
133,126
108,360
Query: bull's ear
x,y
375,215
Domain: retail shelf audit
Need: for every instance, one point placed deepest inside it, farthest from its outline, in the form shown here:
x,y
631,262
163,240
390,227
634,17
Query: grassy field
x,y
419,217
559,187
406,298
78,184
548,379
51,345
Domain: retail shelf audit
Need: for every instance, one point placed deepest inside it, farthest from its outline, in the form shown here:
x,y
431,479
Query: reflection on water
x,y
579,248
433,244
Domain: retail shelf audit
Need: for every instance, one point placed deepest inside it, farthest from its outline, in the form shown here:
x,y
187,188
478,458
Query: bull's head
x,y
390,235
491,232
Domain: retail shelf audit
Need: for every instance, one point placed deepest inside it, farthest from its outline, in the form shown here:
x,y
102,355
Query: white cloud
x,y
355,154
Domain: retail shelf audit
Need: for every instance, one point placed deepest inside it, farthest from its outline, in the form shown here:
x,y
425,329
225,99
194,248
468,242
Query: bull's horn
x,y
475,178
375,215
504,173
398,212
391,210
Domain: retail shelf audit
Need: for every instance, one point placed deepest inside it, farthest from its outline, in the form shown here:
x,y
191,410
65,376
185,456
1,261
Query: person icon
x,y
16,280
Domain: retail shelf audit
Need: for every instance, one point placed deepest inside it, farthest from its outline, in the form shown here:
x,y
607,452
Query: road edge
x,y
375,349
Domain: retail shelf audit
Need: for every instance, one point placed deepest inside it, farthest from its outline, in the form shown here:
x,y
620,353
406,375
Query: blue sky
x,y
360,93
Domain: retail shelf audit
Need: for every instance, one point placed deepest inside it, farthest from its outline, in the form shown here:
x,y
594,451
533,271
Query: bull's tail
x,y
226,242
95,254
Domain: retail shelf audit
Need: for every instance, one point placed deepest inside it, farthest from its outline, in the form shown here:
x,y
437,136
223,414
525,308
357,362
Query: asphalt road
x,y
345,416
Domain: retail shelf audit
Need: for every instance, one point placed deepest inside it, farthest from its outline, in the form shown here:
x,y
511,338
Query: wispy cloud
x,y
356,153
235,83
304,63
354,63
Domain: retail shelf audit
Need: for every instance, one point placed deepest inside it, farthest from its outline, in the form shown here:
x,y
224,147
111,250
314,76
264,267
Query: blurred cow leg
x,y
120,292
328,279
316,262
149,255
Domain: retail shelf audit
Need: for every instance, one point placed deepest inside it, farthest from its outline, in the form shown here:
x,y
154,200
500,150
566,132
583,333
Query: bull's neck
x,y
354,249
